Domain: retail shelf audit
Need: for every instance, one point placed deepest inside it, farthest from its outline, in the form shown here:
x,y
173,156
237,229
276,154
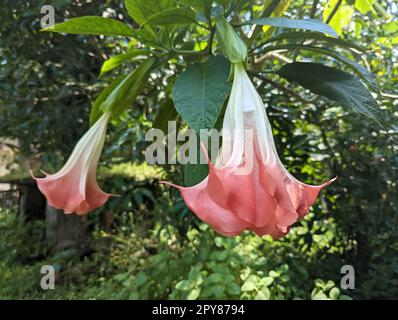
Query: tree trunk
x,y
31,202
64,231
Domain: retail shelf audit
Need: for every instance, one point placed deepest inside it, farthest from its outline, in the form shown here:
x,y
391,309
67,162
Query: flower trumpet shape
x,y
74,188
248,187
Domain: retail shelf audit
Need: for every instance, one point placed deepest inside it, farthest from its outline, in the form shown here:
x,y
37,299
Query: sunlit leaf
x,y
93,26
141,10
127,90
117,60
303,24
364,6
342,18
173,16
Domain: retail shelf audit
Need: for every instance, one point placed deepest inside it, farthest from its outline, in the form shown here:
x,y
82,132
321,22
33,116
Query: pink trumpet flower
x,y
248,188
74,188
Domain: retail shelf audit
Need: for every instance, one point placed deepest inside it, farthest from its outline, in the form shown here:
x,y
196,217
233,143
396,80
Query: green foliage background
x,y
146,244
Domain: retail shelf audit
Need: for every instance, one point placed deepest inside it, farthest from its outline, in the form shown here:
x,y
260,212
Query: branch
x,y
334,11
314,8
267,12
210,41
276,55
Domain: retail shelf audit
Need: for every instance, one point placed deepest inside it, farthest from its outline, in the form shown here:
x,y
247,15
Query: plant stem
x,y
267,12
314,8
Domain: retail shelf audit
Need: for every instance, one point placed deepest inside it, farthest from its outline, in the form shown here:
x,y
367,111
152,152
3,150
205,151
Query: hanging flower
x,y
74,188
248,187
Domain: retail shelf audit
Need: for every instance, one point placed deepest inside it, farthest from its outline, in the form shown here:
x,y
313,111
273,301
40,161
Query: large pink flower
x,y
74,188
248,187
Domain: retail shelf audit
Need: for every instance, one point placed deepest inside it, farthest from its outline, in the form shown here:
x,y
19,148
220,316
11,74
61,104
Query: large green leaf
x,y
200,91
360,70
308,35
141,10
172,16
335,85
127,90
304,24
231,43
117,60
93,26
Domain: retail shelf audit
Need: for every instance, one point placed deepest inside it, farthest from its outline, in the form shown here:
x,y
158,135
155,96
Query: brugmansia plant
x,y
247,188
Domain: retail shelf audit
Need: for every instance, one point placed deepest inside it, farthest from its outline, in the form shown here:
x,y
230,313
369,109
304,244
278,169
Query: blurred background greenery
x,y
145,243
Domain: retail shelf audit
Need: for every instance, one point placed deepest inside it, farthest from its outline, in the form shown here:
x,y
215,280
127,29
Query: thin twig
x,y
334,11
210,41
280,87
267,12
314,8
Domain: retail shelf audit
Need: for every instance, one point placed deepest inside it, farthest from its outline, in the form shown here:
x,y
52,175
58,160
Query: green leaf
x,y
117,60
306,35
267,281
93,26
128,89
215,278
183,285
96,112
166,113
173,16
364,6
233,289
195,173
361,71
263,294
250,284
200,91
319,296
231,43
194,294
140,278
201,6
342,18
334,293
304,24
391,27
335,85
141,10
274,274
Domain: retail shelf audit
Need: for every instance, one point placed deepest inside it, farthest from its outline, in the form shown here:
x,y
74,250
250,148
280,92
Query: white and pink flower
x,y
74,188
266,199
